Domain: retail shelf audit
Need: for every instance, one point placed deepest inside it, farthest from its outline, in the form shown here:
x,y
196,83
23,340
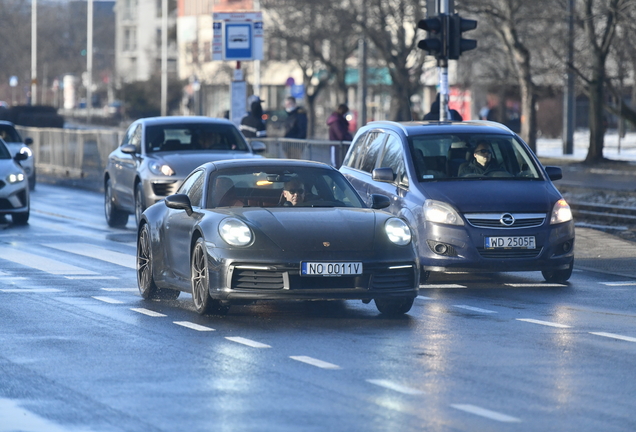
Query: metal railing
x,y
82,154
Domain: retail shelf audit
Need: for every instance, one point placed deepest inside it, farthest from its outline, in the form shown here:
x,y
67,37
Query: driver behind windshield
x,y
293,193
483,162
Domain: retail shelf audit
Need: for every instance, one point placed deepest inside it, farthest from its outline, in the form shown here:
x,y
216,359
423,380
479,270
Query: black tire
x,y
32,181
558,276
115,217
140,201
394,307
20,218
200,283
145,280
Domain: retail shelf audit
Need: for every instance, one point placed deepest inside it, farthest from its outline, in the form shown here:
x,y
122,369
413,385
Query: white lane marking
x,y
16,418
545,323
30,290
315,362
474,309
92,251
247,342
41,263
618,283
12,278
148,312
431,286
135,290
395,386
91,277
421,297
535,285
108,300
614,336
483,412
193,326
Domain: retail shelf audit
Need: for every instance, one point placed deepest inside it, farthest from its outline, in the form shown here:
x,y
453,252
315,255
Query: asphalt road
x,y
81,351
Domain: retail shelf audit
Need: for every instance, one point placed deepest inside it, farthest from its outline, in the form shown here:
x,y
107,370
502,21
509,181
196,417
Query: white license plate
x,y
521,242
330,268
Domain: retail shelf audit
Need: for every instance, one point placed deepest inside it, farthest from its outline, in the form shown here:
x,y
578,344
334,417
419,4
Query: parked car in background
x,y
157,153
16,145
506,217
14,187
230,236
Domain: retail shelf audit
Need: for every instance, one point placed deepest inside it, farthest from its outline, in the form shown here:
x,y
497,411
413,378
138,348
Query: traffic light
x,y
435,43
457,45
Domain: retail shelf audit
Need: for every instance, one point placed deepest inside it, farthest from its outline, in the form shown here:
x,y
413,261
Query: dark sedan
x,y
157,153
476,195
241,231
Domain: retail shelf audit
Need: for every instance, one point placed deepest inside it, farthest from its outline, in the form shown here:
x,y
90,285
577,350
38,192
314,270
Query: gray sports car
x,y
238,231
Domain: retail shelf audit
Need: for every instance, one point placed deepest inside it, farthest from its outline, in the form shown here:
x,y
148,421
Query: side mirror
x,y
554,173
258,146
20,156
385,175
179,202
28,141
129,149
380,201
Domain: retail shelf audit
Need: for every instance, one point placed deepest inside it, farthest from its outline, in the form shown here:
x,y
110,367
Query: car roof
x,y
183,119
292,163
7,123
432,127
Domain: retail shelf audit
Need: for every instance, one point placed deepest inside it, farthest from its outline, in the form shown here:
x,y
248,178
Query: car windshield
x,y
9,134
194,137
280,187
469,156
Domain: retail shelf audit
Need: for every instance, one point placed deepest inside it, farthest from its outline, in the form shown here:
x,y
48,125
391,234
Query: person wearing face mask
x,y
483,163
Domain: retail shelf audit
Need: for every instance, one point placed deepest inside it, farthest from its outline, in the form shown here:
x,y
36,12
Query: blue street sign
x,y
238,41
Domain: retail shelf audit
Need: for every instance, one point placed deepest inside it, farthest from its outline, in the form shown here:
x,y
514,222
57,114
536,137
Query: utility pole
x,y
569,99
34,52
89,60
164,57
362,75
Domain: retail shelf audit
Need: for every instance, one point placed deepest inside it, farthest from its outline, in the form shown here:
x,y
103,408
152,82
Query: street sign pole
x,y
442,63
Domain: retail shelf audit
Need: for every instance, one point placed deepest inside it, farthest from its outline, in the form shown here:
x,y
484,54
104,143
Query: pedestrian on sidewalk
x,y
339,125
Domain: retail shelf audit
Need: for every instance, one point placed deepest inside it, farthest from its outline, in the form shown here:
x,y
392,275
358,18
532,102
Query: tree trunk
x,y
596,115
528,113
401,91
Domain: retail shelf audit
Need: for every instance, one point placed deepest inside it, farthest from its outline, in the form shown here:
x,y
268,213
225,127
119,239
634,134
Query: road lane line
x,y
108,300
535,285
193,326
421,297
12,278
247,342
135,290
483,412
41,263
545,323
30,290
618,283
148,312
435,286
16,418
395,386
614,336
91,277
315,362
92,251
474,309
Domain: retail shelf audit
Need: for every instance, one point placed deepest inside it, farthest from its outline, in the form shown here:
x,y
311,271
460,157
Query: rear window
x,y
193,137
452,156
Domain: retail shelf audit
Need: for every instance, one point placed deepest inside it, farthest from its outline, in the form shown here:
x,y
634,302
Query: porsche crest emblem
x,y
326,244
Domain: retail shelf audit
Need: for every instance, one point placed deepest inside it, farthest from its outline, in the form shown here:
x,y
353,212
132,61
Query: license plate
x,y
330,268
523,242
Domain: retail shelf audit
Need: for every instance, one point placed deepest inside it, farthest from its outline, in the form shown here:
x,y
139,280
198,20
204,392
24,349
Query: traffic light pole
x,y
442,64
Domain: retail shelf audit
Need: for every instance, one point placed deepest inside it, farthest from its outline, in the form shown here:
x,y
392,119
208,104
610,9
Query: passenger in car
x,y
483,163
293,193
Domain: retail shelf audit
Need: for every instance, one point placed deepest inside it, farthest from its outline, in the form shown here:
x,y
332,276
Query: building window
x,y
130,39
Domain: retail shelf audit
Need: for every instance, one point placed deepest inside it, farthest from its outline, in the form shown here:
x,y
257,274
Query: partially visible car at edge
x,y
509,220
16,145
226,238
14,186
157,153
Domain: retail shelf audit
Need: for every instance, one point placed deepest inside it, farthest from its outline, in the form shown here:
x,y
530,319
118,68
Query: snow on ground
x,y
615,147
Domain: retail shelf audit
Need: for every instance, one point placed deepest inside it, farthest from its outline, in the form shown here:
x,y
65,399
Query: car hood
x,y
310,228
8,166
486,196
184,163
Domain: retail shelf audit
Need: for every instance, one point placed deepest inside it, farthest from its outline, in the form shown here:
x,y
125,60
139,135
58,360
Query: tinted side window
x,y
193,188
394,158
375,144
353,156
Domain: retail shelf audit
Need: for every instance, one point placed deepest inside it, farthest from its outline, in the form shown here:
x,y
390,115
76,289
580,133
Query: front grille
x,y
257,279
509,253
393,279
164,188
521,220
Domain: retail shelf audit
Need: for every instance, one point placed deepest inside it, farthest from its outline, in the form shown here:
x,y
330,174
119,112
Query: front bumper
x,y
14,198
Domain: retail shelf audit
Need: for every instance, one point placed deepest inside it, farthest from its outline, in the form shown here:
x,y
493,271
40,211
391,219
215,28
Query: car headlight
x,y
161,169
27,151
15,178
235,232
439,212
560,212
397,231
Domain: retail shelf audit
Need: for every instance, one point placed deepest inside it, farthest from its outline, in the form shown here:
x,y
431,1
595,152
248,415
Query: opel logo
x,y
507,219
326,244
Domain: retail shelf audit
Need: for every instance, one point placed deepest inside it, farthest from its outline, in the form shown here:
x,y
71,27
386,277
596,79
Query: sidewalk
x,y
601,252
